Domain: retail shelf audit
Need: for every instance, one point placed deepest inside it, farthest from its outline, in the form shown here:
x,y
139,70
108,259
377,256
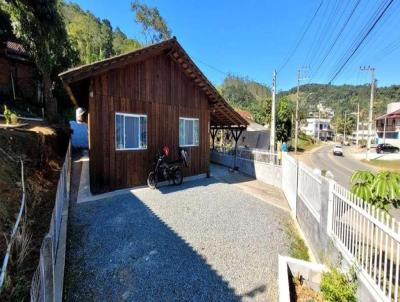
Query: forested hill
x,y
343,98
94,39
245,94
248,95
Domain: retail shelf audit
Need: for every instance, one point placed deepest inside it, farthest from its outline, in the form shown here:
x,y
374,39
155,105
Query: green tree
x,y
121,43
40,28
91,37
154,27
340,123
261,111
107,38
283,120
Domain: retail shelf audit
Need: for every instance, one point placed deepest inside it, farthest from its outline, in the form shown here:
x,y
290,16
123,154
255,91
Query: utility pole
x,y
371,107
344,128
296,133
272,127
318,126
358,122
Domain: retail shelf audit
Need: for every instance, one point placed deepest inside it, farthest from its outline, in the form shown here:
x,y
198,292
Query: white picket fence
x,y
366,236
310,189
369,237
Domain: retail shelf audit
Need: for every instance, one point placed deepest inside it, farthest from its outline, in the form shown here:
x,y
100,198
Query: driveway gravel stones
x,y
202,241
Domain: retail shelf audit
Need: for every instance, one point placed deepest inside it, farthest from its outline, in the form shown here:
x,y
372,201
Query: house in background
x,y
255,136
318,127
388,126
139,102
16,72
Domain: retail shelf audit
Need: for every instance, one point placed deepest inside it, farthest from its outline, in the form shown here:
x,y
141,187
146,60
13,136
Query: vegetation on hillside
x,y
92,38
248,95
58,35
344,98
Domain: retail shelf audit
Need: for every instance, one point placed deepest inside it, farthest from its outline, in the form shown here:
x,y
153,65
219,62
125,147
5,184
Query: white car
x,y
338,150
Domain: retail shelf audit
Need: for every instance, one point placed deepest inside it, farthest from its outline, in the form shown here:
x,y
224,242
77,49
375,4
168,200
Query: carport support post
x,y
213,133
236,133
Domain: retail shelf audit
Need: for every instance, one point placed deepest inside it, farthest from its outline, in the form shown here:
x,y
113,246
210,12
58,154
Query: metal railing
x,y
260,155
44,281
369,237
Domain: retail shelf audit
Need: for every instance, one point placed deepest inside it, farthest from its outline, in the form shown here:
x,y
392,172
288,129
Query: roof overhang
x,y
222,115
394,114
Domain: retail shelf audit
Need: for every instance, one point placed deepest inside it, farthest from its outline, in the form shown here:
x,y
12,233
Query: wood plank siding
x,y
159,88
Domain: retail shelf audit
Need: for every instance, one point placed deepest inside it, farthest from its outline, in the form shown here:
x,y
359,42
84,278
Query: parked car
x,y
338,150
346,143
386,148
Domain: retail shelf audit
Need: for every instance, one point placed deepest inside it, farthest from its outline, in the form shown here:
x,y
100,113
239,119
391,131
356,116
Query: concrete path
x,y
205,240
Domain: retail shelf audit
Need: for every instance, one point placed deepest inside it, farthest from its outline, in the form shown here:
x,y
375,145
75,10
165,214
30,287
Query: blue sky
x,y
252,38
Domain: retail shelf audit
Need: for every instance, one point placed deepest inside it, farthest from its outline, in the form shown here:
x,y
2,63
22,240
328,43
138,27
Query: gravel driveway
x,y
202,241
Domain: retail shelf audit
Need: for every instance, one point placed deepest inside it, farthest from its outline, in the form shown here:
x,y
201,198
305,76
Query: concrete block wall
x,y
268,173
316,231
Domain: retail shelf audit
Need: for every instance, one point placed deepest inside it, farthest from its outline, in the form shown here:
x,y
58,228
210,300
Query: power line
x,y
301,39
361,41
337,36
328,29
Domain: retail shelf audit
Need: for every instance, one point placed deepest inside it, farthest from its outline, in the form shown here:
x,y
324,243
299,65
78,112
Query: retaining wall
x,y
268,173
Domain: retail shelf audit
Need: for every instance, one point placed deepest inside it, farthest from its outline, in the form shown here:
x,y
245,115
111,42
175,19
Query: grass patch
x,y
391,165
304,143
297,247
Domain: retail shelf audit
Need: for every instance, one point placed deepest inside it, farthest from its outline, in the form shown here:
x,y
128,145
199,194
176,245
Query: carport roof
x,y
222,115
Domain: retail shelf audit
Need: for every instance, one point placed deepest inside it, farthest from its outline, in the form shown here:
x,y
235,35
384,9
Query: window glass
x,y
188,132
196,132
119,126
130,131
181,132
143,132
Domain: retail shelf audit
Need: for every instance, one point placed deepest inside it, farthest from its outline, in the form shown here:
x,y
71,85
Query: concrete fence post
x,y
48,269
330,208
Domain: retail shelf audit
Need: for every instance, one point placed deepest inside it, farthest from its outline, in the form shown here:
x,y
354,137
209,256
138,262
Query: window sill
x,y
131,149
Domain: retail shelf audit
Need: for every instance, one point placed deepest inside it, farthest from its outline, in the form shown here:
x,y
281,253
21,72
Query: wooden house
x,y
139,102
17,80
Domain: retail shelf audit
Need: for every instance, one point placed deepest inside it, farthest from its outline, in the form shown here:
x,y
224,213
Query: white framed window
x,y
188,132
130,131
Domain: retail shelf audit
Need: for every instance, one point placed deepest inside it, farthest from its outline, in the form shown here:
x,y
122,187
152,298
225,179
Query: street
x,y
342,167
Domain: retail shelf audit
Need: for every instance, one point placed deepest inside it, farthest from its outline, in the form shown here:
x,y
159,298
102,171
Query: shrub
x,y
337,286
380,189
9,116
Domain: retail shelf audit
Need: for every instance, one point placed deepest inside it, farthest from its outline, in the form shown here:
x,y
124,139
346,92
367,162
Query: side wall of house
x,y
23,77
158,88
